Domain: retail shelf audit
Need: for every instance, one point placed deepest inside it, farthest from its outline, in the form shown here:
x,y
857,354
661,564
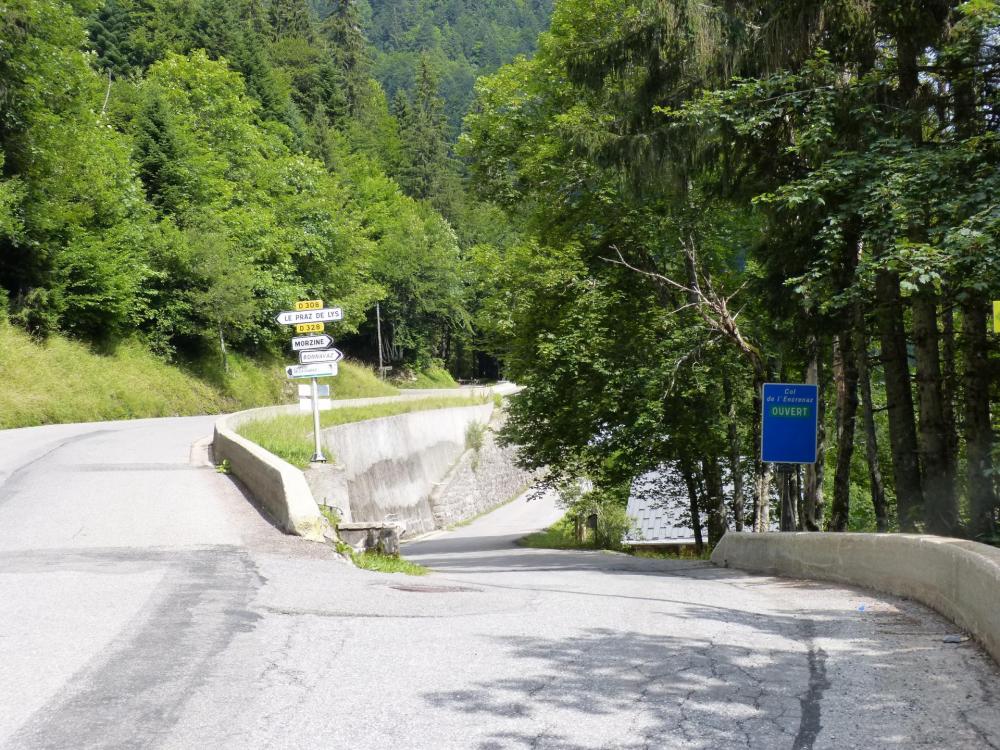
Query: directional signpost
x,y
322,370
314,357
309,343
306,402
317,357
788,435
301,317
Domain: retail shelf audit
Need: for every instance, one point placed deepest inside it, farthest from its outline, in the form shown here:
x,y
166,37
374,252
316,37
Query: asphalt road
x,y
144,602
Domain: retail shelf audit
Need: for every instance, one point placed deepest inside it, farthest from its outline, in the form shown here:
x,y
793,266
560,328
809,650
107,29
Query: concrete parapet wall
x,y
392,465
959,579
276,484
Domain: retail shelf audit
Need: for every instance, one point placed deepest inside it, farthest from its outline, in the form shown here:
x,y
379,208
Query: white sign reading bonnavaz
x,y
296,317
327,355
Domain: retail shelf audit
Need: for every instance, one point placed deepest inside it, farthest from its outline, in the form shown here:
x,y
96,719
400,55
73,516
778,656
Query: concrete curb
x,y
957,578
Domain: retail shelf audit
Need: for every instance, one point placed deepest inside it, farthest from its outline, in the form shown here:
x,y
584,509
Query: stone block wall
x,y
480,481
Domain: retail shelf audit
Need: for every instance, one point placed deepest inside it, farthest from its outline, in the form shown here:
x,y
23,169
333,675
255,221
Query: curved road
x,y
144,602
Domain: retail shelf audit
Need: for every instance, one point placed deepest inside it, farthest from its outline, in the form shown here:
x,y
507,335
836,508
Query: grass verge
x,y
388,564
432,377
290,437
561,535
61,380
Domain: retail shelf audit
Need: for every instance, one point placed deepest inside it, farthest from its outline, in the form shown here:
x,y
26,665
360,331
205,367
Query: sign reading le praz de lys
x,y
789,423
299,317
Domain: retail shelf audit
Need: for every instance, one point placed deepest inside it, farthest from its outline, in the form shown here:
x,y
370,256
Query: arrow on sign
x,y
324,370
298,317
328,355
308,343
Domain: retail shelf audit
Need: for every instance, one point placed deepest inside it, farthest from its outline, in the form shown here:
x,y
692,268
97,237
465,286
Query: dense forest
x,y
716,195
462,39
667,205
179,171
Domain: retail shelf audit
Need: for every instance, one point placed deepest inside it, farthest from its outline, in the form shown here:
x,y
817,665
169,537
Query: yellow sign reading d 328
x,y
309,304
310,328
996,316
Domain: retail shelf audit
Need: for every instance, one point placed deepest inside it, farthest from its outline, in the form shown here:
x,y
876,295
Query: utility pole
x,y
378,328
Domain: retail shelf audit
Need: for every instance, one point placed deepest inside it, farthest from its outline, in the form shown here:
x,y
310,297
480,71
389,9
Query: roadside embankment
x,y
959,579
420,469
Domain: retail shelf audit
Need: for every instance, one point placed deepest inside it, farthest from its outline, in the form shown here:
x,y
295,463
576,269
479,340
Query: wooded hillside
x,y
721,194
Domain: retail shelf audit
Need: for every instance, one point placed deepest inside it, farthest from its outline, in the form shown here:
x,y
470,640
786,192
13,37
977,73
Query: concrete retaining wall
x,y
280,487
392,465
959,579
380,467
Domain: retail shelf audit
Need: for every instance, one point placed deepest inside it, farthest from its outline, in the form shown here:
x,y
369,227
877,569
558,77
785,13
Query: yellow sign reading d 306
x,y
996,316
309,304
310,328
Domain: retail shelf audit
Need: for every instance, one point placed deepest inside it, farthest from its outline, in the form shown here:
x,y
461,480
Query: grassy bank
x,y
562,535
432,377
290,437
60,380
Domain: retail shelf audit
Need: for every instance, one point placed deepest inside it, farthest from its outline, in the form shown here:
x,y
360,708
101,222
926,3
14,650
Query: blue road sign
x,y
789,423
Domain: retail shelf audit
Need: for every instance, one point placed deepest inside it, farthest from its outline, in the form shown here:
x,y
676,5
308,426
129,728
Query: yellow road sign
x,y
996,316
309,304
309,328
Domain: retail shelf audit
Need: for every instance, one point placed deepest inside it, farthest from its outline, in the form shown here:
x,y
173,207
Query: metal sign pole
x,y
318,450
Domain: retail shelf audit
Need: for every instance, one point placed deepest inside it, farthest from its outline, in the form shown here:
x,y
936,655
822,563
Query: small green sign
x,y
782,411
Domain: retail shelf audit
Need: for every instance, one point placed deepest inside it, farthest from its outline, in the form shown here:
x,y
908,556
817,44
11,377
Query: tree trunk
x,y
787,522
895,359
845,373
983,507
762,504
871,436
687,471
949,386
735,468
899,397
800,522
222,349
762,471
717,526
940,508
813,504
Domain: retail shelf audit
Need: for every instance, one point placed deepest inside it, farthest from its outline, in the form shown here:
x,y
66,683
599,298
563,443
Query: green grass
x,y
358,381
678,553
290,437
64,381
61,380
388,564
559,535
432,377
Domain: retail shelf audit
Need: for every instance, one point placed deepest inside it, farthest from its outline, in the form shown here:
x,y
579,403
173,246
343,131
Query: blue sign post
x,y
789,423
